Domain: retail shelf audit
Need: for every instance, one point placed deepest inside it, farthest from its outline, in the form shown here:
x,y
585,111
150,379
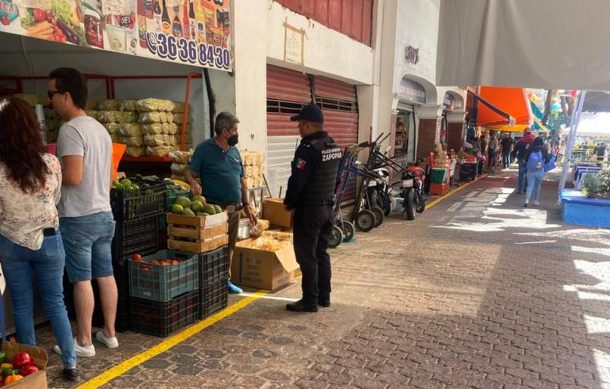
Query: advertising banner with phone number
x,y
192,32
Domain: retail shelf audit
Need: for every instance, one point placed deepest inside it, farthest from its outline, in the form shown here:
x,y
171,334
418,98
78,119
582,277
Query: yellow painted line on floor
x,y
452,192
165,345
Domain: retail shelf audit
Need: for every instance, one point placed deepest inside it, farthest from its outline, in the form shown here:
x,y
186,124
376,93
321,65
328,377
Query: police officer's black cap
x,y
311,113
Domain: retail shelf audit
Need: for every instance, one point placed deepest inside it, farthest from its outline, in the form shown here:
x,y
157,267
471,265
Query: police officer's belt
x,y
326,202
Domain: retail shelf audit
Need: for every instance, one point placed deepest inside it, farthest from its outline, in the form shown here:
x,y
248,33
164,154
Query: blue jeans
x,y
522,171
491,162
534,182
88,243
505,159
47,265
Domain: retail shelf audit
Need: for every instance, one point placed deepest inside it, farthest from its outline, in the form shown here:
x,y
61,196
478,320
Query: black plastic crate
x,y
137,236
214,266
148,201
122,315
162,318
213,297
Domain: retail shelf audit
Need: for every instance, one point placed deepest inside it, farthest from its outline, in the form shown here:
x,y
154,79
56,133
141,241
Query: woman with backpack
x,y
535,160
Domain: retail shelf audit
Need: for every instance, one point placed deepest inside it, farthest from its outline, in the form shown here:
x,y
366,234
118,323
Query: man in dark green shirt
x,y
218,164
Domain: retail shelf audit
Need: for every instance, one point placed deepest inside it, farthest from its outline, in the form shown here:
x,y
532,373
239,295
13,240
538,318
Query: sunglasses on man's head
x,y
52,93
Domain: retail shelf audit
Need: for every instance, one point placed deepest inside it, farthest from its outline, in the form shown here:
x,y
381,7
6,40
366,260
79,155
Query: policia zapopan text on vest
x,y
320,188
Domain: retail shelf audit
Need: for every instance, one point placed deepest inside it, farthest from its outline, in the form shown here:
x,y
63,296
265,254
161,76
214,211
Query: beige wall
x,y
250,36
259,40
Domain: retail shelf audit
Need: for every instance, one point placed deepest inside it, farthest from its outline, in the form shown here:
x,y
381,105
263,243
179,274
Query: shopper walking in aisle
x,y
520,152
86,222
537,156
483,149
600,152
217,162
30,243
506,143
491,151
310,193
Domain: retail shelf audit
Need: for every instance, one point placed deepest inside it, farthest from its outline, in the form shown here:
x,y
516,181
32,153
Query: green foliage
x,y
591,185
597,185
604,183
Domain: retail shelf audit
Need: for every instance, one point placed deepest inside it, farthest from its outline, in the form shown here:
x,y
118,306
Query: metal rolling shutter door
x,y
287,92
340,106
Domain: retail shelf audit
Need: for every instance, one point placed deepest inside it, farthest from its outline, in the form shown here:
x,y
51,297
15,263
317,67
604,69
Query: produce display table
x,y
441,188
468,171
580,172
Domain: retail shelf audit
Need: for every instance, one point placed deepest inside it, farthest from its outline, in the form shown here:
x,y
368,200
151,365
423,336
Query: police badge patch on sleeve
x,y
300,163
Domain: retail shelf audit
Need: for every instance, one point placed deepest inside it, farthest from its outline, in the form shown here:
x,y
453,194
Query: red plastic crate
x,y
439,189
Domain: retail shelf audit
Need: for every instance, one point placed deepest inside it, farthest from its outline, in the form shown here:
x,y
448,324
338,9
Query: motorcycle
x,y
412,191
379,190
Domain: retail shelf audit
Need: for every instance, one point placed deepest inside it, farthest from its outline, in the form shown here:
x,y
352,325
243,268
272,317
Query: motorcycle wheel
x,y
421,203
348,231
378,212
365,220
335,238
375,199
409,205
387,204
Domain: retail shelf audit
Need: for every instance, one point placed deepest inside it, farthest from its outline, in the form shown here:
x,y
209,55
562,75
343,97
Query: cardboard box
x,y
276,213
263,269
40,358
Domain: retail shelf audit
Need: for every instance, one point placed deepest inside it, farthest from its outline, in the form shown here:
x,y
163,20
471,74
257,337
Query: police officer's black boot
x,y
300,306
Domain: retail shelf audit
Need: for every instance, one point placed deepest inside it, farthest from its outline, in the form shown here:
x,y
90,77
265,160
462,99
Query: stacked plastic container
x,y
213,276
164,290
137,214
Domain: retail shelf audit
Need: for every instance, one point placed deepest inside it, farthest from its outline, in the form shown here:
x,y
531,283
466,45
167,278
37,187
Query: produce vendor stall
x,y
155,86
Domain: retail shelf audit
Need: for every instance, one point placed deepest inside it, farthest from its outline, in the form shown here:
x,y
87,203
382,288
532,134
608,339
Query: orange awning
x,y
512,101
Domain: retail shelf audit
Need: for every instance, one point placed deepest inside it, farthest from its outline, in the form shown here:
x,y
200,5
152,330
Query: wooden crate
x,y
198,221
197,234
198,246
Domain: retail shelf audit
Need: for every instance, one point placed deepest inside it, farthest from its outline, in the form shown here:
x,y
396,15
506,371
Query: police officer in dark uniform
x,y
310,193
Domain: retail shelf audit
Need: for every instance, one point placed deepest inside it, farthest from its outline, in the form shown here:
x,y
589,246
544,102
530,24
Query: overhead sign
x,y
193,32
293,44
412,54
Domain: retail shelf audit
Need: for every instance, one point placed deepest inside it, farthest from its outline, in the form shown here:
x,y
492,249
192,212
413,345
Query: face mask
x,y
233,139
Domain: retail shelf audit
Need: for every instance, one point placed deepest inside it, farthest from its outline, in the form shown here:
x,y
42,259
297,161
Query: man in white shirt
x,y
86,221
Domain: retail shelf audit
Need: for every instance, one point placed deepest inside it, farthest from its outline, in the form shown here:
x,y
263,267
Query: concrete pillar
x,y
250,68
455,130
429,129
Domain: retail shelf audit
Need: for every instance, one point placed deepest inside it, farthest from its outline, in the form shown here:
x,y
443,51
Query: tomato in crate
x,y
159,278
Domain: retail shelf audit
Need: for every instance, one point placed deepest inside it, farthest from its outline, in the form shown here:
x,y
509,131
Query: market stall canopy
x,y
23,56
597,101
512,101
594,125
540,126
546,44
